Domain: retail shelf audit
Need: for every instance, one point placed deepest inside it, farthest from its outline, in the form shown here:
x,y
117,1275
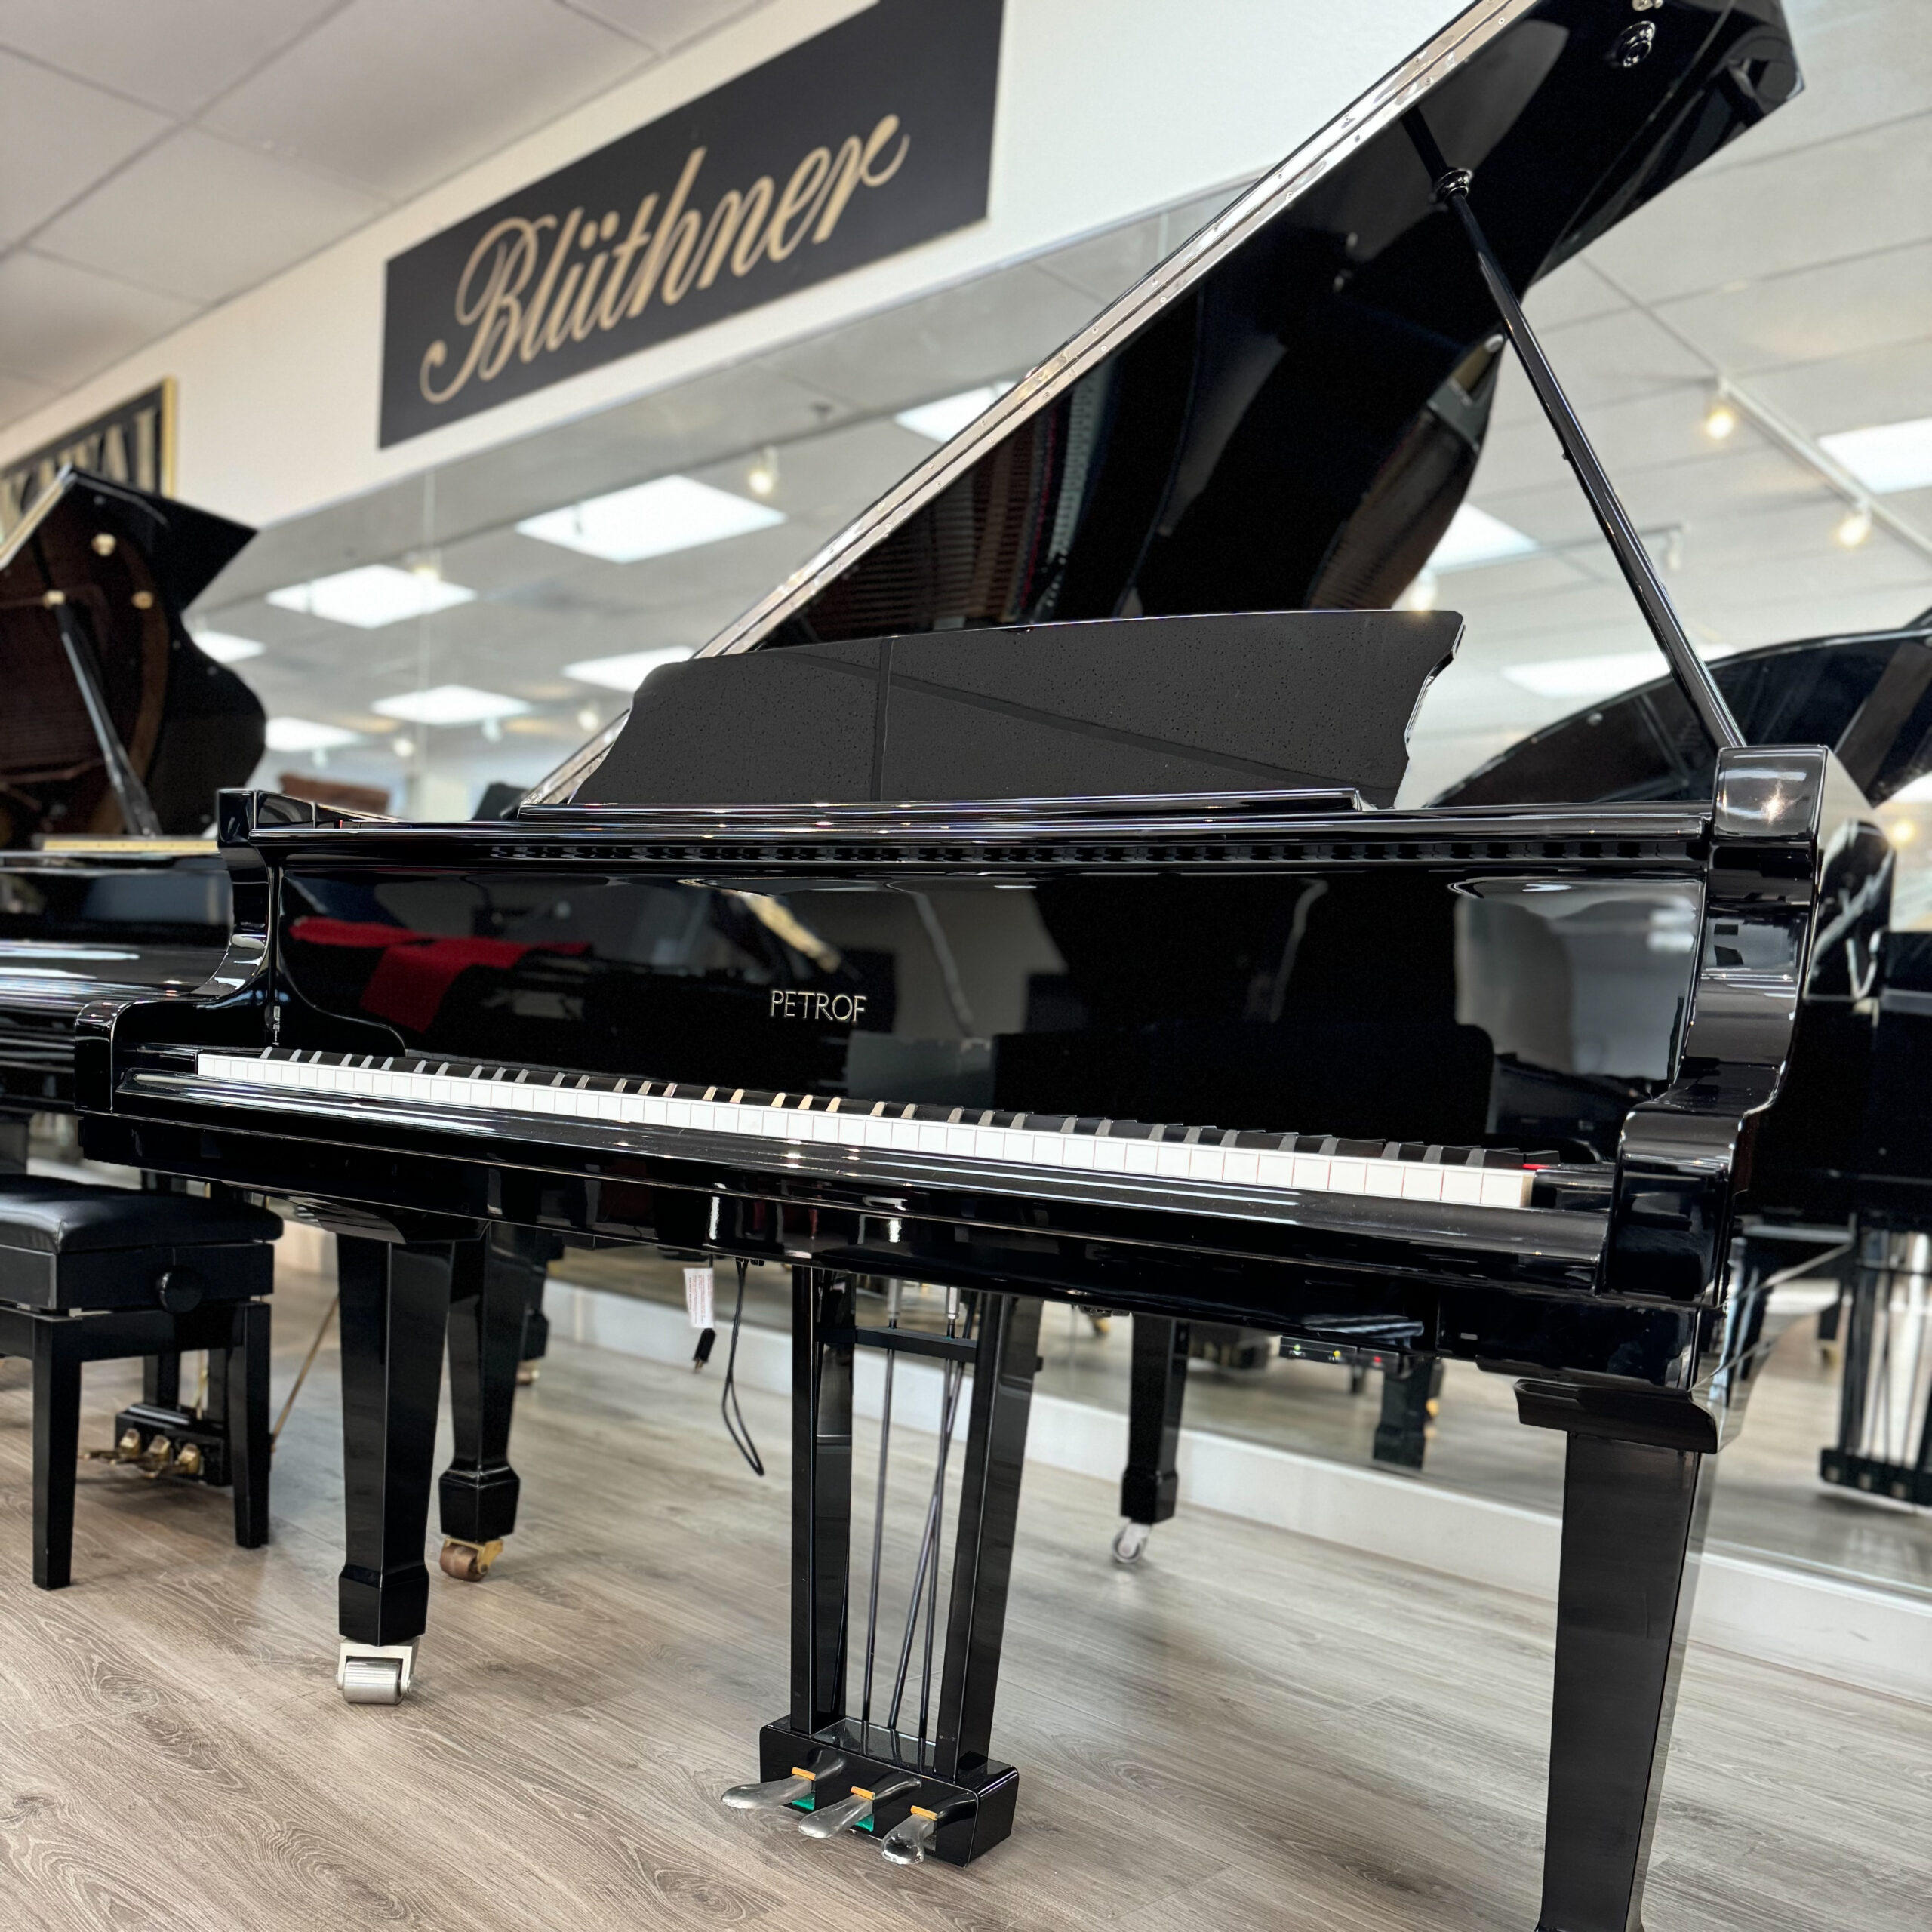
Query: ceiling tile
x,y
20,397
398,94
1815,312
665,25
1575,292
1864,62
253,215
59,324
1853,392
175,54
58,138
1843,198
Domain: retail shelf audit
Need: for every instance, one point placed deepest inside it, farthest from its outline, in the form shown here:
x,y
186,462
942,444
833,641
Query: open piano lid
x,y
1285,414
115,566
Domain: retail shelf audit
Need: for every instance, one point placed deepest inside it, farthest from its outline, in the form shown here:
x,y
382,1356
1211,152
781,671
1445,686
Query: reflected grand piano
x,y
1100,965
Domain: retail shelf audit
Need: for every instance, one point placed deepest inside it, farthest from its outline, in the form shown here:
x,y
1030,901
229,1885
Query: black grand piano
x,y
1061,938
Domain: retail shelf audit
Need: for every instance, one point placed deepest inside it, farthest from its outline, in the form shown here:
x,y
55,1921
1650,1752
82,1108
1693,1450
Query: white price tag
x,y
700,1289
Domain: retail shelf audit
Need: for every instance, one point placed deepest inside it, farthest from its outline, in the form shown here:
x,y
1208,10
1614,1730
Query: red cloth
x,y
417,969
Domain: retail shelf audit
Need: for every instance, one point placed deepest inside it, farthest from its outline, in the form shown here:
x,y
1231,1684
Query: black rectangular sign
x,y
132,443
871,137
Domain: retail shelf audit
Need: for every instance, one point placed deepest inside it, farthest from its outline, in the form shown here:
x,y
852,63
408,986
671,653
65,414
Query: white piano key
x,y
1205,1163
703,1117
1171,1159
1310,1171
1348,1176
1275,1170
1019,1146
1385,1180
989,1144
1421,1180
1506,1187
1142,1156
1463,1186
905,1135
677,1113
1240,1167
1077,1150
1110,1156
1050,1150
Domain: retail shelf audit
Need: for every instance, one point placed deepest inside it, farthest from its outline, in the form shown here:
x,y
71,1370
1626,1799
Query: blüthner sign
x,y
873,137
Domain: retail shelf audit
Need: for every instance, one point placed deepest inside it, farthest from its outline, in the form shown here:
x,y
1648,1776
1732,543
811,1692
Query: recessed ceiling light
x,y
1475,538
375,595
650,520
589,718
1854,527
1421,595
225,648
450,704
627,672
762,479
303,734
1893,456
1720,420
943,419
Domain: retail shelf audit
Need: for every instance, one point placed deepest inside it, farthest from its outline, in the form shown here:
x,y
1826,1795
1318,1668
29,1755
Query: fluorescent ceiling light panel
x,y
627,672
303,734
1895,456
376,595
225,648
943,419
450,704
1475,538
650,520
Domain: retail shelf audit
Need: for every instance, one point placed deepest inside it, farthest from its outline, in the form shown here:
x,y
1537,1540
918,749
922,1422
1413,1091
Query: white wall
x,y
1107,108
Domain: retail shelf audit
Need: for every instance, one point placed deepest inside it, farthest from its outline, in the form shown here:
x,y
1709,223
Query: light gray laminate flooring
x,y
1250,1731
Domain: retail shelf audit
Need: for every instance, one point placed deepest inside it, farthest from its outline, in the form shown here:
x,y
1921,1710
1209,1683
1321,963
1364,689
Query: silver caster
x,y
1130,1541
909,1841
374,1673
851,1811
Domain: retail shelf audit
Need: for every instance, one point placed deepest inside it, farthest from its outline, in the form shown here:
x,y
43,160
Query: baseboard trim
x,y
1823,1625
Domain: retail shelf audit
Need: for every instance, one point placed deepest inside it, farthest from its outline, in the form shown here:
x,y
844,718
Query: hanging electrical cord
x,y
301,1374
734,1416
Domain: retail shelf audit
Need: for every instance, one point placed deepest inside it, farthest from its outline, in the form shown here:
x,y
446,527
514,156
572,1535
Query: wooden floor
x,y
1250,1731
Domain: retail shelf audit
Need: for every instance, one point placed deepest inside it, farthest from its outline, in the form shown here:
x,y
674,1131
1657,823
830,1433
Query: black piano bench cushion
x,y
70,1244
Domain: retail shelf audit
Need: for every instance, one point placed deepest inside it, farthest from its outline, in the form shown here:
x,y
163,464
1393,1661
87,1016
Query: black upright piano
x,y
1061,938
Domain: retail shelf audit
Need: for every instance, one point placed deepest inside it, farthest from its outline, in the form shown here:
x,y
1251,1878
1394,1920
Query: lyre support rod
x,y
137,812
1452,189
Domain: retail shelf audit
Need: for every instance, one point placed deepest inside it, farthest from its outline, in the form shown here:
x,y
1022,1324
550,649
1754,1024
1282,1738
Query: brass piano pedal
x,y
526,1373
468,1562
374,1673
128,1449
158,1457
188,1462
852,1811
1130,1541
775,1794
911,1839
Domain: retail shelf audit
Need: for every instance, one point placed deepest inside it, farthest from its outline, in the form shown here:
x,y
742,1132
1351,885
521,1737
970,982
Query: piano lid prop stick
x,y
1693,674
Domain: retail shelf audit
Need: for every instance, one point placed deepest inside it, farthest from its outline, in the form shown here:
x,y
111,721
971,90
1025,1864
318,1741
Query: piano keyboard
x,y
1468,1176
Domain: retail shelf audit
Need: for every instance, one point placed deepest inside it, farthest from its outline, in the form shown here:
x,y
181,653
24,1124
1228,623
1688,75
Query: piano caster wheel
x,y
526,1374
374,1673
909,1841
468,1562
1130,1541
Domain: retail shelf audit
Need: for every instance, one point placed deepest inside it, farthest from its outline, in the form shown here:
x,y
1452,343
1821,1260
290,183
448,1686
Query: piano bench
x,y
103,1274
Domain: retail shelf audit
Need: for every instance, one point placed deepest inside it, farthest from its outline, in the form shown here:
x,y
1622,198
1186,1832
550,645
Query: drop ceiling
x,y
1797,268
158,157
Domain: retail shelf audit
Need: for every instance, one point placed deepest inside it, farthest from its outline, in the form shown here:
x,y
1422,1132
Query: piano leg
x,y
1149,1484
1633,1528
395,1300
489,1298
966,1797
1410,1390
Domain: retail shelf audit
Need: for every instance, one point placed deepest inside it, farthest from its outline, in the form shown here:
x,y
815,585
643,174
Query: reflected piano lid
x,y
1868,695
1285,414
115,567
